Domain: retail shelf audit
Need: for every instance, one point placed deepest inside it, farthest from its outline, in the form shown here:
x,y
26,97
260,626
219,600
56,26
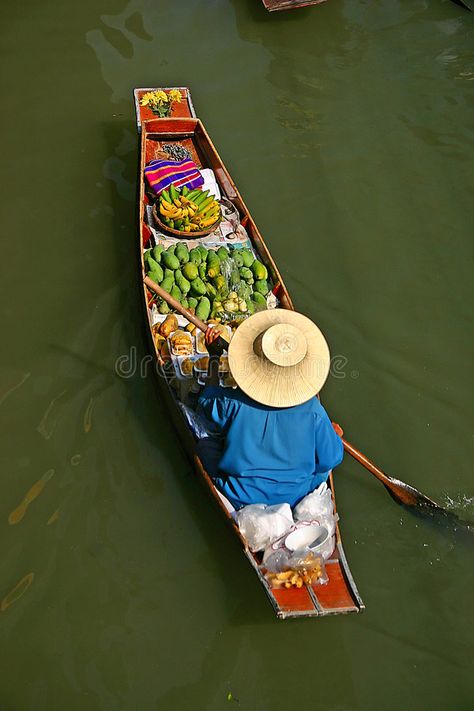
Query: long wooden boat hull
x,y
274,5
340,594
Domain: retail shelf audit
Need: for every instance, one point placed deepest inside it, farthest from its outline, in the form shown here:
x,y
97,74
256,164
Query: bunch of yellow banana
x,y
188,210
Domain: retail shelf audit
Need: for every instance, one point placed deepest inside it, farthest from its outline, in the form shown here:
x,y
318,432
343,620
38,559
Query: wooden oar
x,y
399,491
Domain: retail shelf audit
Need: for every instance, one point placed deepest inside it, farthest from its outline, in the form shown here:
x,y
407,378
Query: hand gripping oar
x,y
174,303
402,493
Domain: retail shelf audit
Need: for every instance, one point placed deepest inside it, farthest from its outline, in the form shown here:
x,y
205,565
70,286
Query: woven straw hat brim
x,y
275,385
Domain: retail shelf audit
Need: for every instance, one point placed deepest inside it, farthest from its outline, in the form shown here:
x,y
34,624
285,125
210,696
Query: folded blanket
x,y
163,173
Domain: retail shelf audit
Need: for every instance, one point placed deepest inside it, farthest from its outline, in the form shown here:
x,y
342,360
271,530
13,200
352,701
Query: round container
x,y
179,233
312,537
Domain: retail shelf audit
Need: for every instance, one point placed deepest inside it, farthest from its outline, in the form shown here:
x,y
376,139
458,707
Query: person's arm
x,y
215,349
329,447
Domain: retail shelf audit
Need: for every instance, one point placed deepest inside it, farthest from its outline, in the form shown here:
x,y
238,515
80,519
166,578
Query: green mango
x,y
261,287
204,251
247,257
157,252
183,283
190,271
203,271
250,306
223,253
211,290
195,256
237,257
156,274
192,302
153,264
182,253
198,287
170,260
168,274
176,292
259,270
259,299
167,284
203,308
163,308
184,302
246,274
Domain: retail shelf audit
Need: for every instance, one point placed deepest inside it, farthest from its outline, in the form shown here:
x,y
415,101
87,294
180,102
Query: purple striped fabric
x,y
162,173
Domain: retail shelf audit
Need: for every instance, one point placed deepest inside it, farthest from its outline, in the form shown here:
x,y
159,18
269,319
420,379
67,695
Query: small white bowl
x,y
312,537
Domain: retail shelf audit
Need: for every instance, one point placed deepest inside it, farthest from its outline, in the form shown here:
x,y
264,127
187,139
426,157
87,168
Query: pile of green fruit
x,y
223,284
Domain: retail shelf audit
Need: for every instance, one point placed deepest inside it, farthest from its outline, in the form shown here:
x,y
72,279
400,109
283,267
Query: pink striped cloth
x,y
162,173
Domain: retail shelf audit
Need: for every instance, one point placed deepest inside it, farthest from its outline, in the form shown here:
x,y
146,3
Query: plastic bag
x,y
261,524
296,569
317,503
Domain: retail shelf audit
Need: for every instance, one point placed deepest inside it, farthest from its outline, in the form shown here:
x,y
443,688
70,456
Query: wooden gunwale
x,y
341,595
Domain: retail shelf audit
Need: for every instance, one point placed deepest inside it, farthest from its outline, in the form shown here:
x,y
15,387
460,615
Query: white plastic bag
x,y
317,503
261,524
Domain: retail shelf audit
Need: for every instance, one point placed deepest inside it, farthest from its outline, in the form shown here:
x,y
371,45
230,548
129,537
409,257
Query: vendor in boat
x,y
273,440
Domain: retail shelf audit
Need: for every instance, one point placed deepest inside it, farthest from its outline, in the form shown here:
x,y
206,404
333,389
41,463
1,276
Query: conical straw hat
x,y
279,358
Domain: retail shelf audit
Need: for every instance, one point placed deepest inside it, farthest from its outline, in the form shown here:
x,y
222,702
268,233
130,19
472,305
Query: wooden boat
x,y
340,594
273,5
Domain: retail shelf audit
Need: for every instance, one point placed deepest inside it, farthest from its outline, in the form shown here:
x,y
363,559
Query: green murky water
x,y
348,128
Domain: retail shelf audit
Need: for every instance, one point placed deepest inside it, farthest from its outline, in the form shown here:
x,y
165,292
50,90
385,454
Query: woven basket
x,y
179,233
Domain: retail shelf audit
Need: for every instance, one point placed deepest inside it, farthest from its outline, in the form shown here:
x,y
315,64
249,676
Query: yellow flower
x,y
160,97
146,99
175,95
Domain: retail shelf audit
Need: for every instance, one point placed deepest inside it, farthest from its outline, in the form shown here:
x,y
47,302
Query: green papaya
x,y
203,308
259,270
170,260
261,287
247,257
176,292
190,271
198,287
259,299
182,253
195,256
167,284
192,302
223,253
183,283
157,252
204,251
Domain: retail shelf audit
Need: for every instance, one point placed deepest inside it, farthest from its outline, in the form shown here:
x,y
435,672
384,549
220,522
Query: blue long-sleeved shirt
x,y
269,455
